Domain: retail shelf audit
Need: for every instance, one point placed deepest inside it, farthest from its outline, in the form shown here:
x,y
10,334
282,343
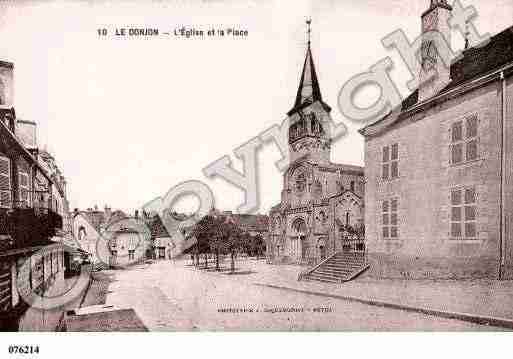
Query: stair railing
x,y
306,272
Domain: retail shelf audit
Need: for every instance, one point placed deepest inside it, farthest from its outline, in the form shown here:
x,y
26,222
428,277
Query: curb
x,y
466,317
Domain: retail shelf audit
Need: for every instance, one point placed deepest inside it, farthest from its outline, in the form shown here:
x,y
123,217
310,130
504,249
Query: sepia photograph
x,y
254,166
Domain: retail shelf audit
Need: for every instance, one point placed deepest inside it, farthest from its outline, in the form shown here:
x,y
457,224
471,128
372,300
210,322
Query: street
x,y
170,296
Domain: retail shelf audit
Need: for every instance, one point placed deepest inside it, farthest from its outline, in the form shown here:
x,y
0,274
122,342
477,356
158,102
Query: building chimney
x,y
435,73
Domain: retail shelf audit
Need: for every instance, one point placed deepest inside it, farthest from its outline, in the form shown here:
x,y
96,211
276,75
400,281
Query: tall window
x,y
464,140
390,162
5,182
300,182
131,254
318,189
390,219
463,213
24,189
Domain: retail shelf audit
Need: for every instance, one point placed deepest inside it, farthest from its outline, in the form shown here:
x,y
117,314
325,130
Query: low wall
x,y
407,267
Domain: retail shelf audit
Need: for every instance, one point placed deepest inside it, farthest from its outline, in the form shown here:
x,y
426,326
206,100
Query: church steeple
x,y
309,90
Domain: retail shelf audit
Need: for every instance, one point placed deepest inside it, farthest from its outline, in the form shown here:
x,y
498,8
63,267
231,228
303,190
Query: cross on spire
x,y
309,29
309,90
438,2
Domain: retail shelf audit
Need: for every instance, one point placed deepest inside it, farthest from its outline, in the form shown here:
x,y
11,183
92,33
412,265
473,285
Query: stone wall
x,y
423,188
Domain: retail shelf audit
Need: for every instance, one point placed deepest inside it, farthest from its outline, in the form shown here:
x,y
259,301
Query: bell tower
x,y
434,73
308,119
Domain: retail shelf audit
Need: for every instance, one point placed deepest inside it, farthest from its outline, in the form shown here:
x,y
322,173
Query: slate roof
x,y
309,90
99,219
476,62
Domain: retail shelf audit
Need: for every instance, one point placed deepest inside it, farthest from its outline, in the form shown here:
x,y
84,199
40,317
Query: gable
x,y
476,62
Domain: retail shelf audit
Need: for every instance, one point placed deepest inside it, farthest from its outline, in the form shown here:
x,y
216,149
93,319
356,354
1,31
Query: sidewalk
x,y
479,301
97,290
92,314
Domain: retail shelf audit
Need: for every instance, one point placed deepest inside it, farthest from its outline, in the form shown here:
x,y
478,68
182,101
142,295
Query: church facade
x,y
321,209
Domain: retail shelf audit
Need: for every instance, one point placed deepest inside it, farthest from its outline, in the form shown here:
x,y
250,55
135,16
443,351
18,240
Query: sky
x,y
129,118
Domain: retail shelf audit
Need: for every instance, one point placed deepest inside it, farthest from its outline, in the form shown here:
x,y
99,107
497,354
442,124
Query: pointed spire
x,y
439,3
309,90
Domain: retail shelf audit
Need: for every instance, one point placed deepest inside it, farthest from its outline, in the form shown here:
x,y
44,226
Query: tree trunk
x,y
233,262
206,261
217,260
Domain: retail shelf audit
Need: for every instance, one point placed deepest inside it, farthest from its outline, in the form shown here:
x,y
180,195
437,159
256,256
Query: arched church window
x,y
318,189
340,186
348,218
299,225
81,233
292,132
301,182
315,124
323,218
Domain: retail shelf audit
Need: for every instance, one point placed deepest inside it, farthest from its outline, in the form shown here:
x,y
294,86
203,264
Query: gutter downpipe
x,y
503,222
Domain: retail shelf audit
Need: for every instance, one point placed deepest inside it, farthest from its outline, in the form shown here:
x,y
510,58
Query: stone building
x,y
127,246
168,233
59,195
90,225
439,169
30,260
321,208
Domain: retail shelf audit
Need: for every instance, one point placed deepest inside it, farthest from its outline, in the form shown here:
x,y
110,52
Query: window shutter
x,y
5,182
24,188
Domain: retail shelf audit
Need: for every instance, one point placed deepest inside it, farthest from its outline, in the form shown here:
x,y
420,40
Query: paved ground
x,y
487,298
98,289
124,320
176,296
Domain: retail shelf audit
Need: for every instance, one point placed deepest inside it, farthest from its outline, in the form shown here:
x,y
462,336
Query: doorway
x,y
322,252
304,247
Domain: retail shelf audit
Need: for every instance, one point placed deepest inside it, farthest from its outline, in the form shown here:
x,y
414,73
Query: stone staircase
x,y
340,267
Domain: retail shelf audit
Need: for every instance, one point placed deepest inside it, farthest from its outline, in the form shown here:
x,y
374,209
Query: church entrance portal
x,y
299,244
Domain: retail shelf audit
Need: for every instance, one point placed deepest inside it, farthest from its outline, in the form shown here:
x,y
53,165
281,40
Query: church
x,y
321,210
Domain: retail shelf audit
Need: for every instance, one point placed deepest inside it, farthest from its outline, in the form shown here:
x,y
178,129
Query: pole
x,y
502,220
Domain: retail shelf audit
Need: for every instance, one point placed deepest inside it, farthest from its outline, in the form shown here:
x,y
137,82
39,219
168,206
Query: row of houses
x,y
115,239
34,217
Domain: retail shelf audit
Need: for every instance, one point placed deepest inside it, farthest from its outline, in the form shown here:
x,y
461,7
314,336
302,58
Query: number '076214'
x,y
23,349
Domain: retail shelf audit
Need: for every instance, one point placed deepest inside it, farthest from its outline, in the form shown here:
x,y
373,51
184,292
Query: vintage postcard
x,y
222,166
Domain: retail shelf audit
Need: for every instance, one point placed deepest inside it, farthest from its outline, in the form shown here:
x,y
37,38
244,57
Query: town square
x,y
397,217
